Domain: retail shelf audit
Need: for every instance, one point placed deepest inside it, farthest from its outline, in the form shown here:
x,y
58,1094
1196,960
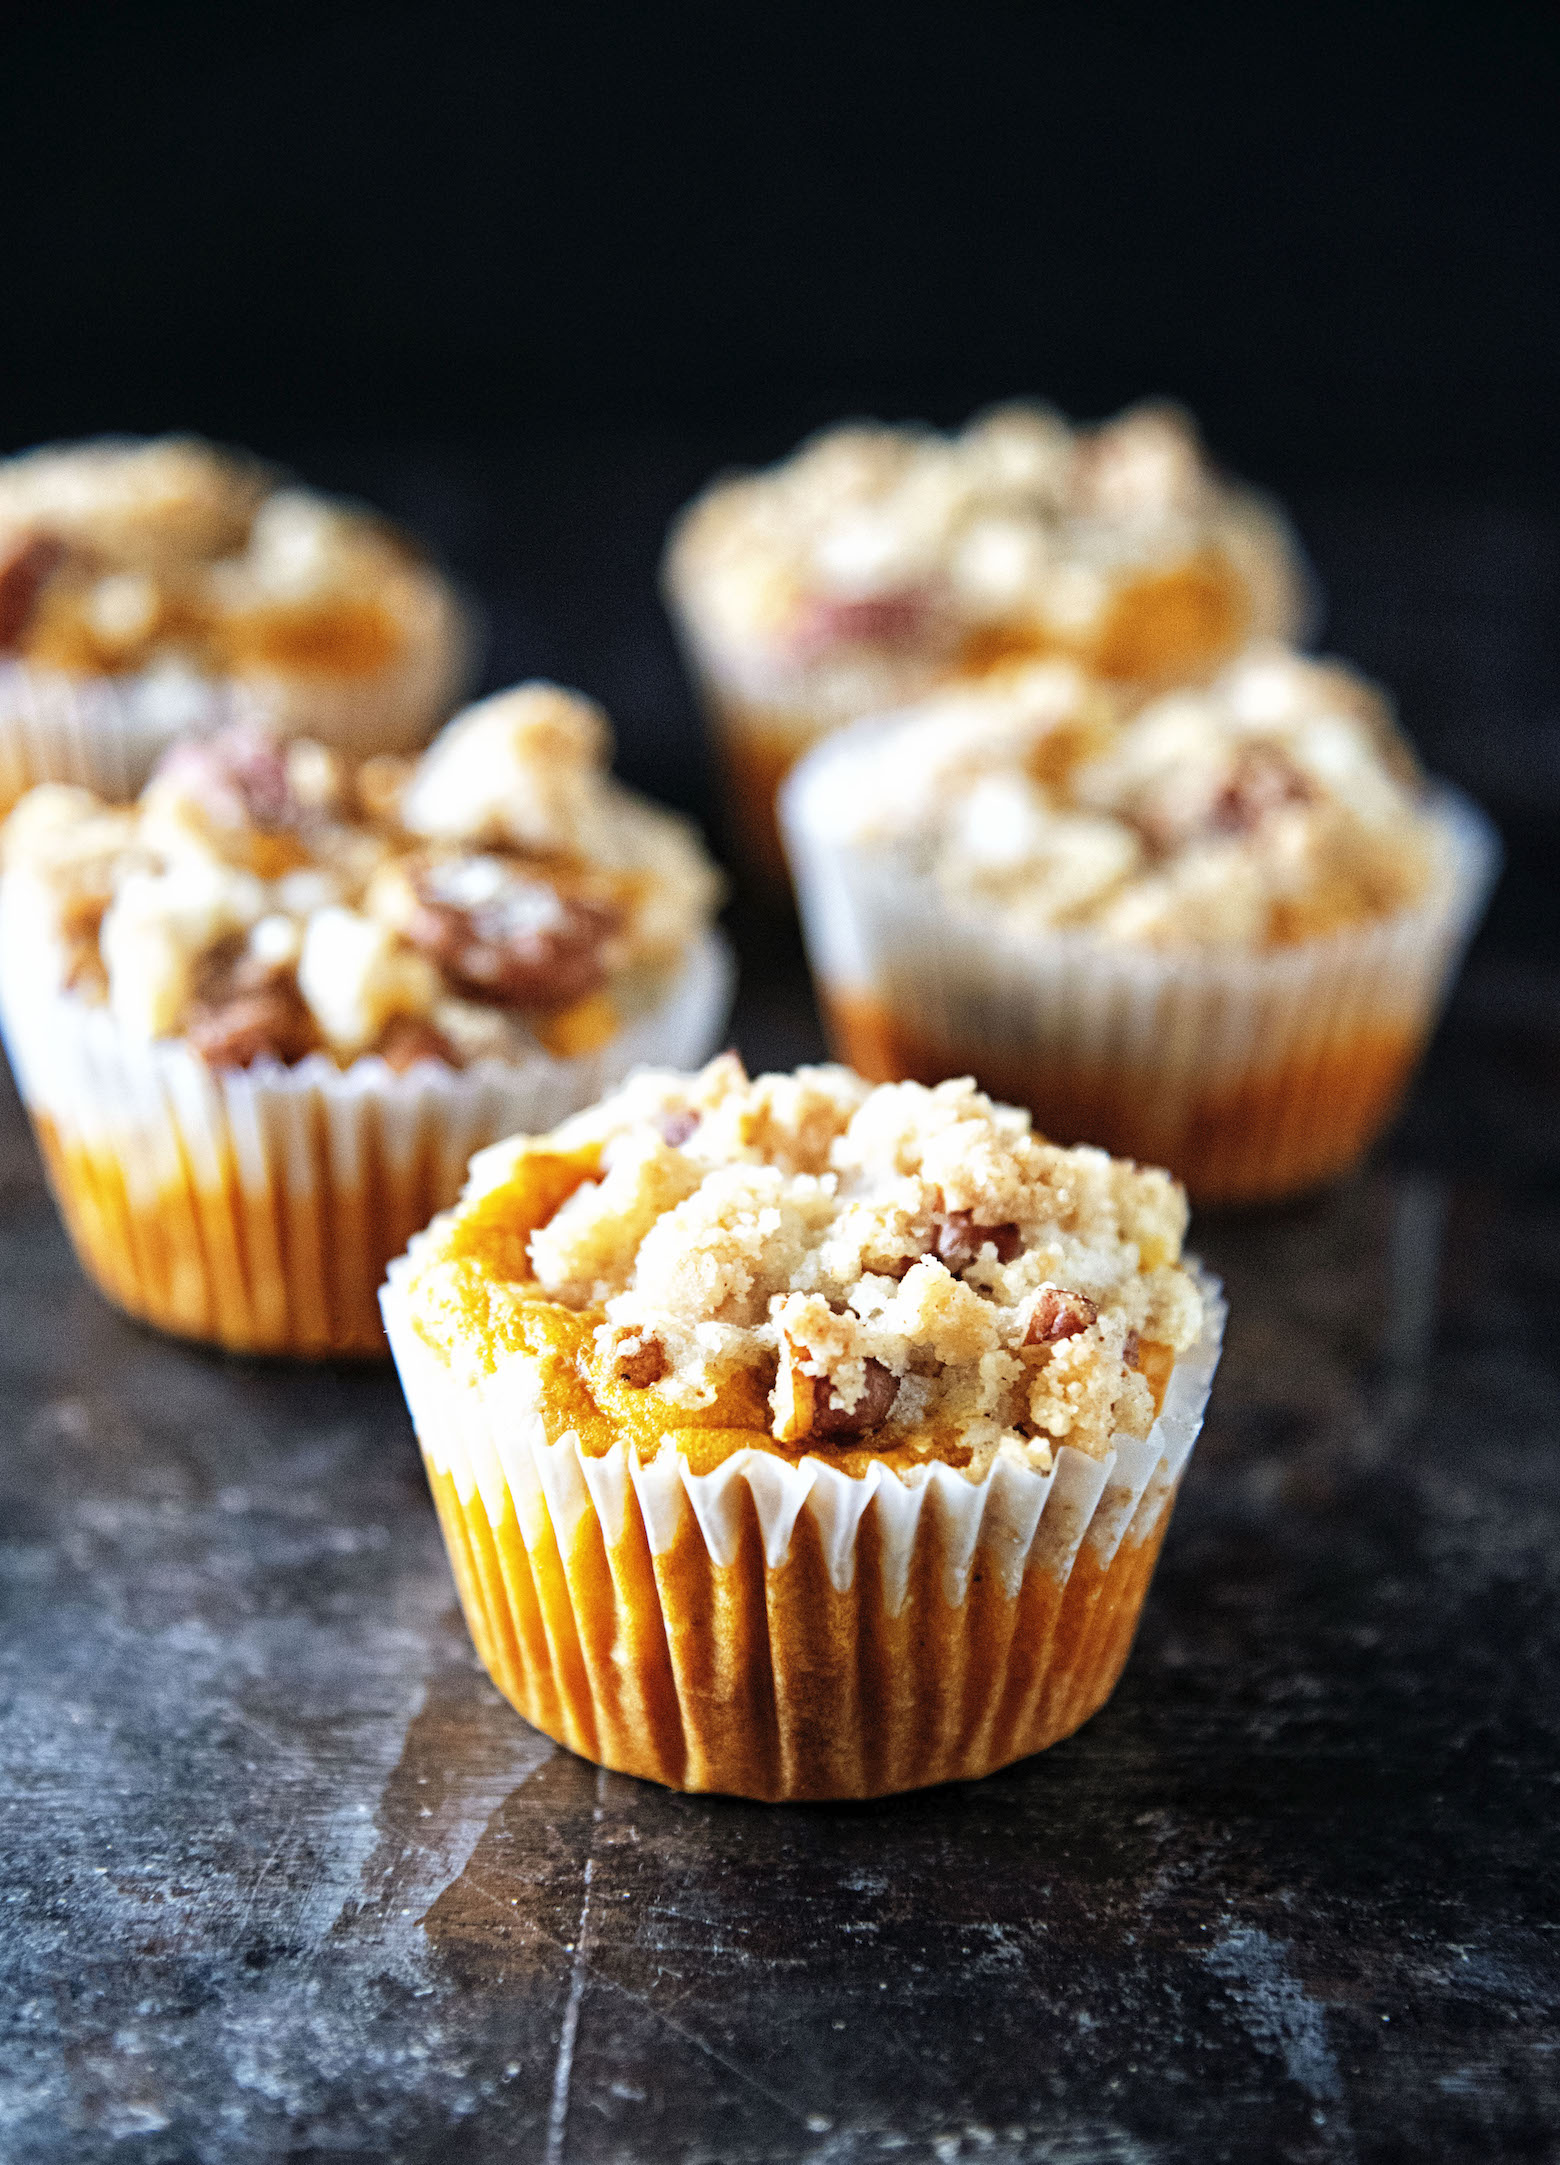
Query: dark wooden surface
x,y
282,1876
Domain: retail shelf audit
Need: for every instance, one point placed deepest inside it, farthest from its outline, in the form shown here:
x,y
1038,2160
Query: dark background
x,y
1329,230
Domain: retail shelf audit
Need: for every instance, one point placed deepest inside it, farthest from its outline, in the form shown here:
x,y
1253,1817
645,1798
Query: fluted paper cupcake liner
x,y
1250,1076
104,733
778,1629
257,1209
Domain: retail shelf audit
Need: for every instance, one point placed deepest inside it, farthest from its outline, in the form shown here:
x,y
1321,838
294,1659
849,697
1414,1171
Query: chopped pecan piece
x,y
804,1404
1263,780
1131,1348
271,1023
866,620
640,1361
871,1409
1058,1314
406,1039
25,567
510,936
960,1240
227,970
240,774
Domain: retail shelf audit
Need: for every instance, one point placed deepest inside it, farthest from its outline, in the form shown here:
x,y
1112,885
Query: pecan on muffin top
x,y
1021,535
267,900
806,1263
1273,805
177,559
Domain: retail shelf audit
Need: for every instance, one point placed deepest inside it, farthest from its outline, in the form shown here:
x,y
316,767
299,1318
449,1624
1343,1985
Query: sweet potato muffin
x,y
1212,932
152,587
802,1438
262,1017
878,562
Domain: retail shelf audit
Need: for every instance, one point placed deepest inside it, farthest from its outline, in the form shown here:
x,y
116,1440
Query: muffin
x,y
262,1017
879,562
148,588
798,1438
1212,934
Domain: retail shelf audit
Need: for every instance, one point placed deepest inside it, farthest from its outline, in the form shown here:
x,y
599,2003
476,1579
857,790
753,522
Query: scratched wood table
x,y
283,1877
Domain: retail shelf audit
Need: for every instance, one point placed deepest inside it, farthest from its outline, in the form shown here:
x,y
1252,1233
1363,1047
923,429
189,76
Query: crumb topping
x,y
903,1270
266,900
1274,805
1021,534
169,554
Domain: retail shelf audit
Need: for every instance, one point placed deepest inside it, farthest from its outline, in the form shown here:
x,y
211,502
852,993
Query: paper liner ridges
x,y
778,1629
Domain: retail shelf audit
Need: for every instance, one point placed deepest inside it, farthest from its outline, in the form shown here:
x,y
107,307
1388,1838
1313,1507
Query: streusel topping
x,y
265,900
900,538
893,1269
126,554
1274,805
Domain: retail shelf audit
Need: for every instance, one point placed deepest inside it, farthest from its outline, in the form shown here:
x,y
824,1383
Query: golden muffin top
x,y
1019,531
266,900
825,1265
1273,805
127,554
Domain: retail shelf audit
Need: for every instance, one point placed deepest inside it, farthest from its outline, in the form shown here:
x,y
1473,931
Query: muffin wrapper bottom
x,y
779,1629
1250,1076
258,1208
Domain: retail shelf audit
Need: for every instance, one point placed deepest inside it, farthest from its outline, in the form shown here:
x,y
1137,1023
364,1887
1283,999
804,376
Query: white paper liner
x,y
103,733
486,1438
258,1207
1138,1048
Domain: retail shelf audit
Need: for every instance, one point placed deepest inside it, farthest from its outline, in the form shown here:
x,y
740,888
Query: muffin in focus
x,y
1213,934
153,587
879,562
262,1017
798,1438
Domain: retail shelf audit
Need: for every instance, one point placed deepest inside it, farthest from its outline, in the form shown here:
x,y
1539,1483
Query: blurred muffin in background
x,y
1213,934
152,587
878,562
262,1017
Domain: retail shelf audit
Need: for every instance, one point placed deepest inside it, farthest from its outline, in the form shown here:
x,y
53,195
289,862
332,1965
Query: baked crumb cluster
x,y
264,900
126,555
1019,534
896,1267
1276,804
